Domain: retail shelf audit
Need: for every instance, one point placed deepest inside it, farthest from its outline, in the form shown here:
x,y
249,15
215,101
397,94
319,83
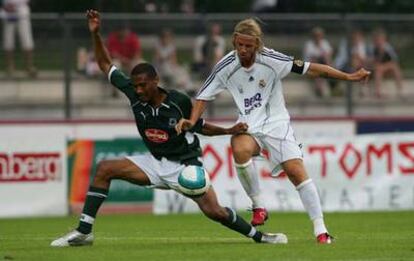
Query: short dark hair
x,y
146,68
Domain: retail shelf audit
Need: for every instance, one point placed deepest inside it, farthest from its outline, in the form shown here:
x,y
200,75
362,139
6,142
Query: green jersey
x,y
157,125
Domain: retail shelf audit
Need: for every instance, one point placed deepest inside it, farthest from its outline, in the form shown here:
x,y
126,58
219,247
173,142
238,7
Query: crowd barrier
x,y
46,167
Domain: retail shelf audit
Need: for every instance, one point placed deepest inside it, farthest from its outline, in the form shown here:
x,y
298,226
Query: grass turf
x,y
360,236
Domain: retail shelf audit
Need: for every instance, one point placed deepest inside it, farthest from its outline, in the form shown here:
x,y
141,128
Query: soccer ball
x,y
193,181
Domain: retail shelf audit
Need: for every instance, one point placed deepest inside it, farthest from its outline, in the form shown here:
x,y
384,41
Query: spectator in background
x,y
187,6
86,63
165,60
16,15
353,54
208,50
359,56
385,62
318,50
124,48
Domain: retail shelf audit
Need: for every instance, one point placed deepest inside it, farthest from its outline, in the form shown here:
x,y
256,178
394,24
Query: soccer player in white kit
x,y
252,73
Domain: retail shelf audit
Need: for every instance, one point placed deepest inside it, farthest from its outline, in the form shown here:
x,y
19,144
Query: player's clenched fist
x,y
360,75
94,20
240,127
183,125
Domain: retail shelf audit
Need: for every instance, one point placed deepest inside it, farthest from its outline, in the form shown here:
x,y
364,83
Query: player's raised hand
x,y
360,75
94,20
240,127
183,125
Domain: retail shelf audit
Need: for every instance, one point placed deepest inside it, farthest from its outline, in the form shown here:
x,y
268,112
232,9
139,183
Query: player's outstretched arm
x,y
101,53
185,124
214,130
326,71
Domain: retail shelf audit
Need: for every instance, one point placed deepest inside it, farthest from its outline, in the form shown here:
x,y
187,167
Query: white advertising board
x,y
33,176
360,173
33,180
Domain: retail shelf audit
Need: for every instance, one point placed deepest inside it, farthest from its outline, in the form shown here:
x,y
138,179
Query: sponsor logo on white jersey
x,y
253,102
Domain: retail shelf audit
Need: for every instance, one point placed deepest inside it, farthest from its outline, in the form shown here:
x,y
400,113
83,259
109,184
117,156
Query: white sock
x,y
310,200
249,179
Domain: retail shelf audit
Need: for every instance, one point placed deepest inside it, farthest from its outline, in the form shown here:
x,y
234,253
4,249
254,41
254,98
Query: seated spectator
x,y
165,58
208,50
351,57
86,63
318,50
352,54
124,48
385,62
171,73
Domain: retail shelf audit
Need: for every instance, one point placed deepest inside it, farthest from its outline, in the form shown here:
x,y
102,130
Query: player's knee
x,y
241,153
295,171
103,170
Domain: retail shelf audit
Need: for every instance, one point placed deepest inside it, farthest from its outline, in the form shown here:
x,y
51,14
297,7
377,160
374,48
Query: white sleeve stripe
x,y
113,68
204,99
306,67
277,55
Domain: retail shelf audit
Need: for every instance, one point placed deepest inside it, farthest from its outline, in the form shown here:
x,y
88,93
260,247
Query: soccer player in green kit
x,y
156,112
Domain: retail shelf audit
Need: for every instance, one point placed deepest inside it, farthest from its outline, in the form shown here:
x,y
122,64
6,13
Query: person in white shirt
x,y
318,50
353,54
253,74
16,15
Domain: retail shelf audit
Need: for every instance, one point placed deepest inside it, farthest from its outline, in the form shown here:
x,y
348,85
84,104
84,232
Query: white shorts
x,y
280,149
24,28
163,173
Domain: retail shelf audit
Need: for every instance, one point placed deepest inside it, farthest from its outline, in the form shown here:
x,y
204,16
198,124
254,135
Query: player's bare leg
x,y
308,193
244,148
210,207
107,170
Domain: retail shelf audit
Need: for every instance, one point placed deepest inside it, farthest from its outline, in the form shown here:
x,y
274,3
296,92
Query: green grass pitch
x,y
359,236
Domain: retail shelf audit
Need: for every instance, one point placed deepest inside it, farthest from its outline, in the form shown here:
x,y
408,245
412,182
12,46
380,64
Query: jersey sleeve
x,y
284,64
215,82
198,127
211,87
122,82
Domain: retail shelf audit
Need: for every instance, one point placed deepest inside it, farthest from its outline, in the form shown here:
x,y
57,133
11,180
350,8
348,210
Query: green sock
x,y
94,199
237,223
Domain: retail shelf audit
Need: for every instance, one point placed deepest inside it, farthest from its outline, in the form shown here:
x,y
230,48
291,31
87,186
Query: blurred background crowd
x,y
55,75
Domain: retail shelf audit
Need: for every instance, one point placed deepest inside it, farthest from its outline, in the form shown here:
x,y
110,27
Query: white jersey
x,y
257,90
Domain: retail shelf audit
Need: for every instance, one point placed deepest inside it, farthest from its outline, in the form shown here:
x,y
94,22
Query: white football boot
x,y
73,238
277,238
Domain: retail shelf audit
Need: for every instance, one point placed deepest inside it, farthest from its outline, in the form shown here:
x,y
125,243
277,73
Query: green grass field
x,y
359,236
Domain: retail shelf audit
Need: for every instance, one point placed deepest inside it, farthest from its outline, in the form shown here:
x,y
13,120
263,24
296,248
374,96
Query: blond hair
x,y
249,27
